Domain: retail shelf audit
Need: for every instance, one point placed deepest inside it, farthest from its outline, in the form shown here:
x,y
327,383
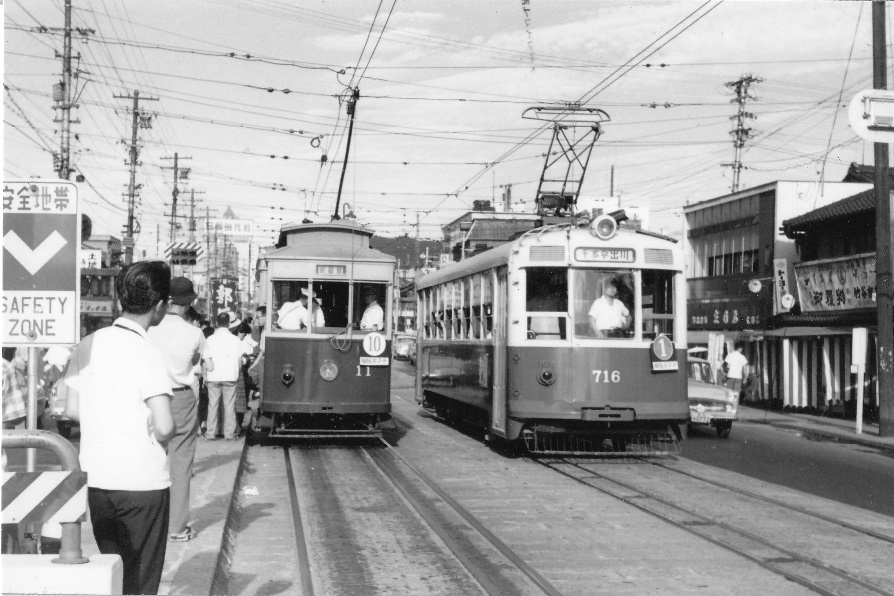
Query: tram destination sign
x,y
605,255
41,270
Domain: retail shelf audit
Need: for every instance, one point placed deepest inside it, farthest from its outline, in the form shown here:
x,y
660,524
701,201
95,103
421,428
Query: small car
x,y
401,345
710,404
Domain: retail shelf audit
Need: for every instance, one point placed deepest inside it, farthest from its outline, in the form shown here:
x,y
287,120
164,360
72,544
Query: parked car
x,y
400,346
710,404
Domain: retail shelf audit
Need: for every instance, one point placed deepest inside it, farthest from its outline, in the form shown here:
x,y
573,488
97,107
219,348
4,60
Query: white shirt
x,y
181,345
609,316
736,361
225,352
373,317
115,371
293,316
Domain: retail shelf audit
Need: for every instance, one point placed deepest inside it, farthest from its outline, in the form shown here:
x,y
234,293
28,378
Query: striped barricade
x,y
40,497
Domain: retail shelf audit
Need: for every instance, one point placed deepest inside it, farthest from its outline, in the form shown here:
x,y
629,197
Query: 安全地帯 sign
x,y
41,272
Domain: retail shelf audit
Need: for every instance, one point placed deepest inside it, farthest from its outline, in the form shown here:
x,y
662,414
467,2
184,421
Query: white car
x,y
710,404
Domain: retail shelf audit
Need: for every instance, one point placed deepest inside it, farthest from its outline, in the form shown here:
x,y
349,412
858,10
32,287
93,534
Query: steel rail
x,y
307,586
778,503
773,565
531,573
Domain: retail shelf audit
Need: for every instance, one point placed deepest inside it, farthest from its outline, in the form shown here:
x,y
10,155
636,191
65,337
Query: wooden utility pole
x,y
883,233
174,193
134,152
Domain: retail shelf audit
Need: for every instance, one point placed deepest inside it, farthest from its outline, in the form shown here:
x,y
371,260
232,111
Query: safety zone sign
x,y
41,271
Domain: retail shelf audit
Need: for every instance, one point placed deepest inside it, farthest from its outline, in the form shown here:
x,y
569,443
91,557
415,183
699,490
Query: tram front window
x,y
658,303
327,300
547,303
604,304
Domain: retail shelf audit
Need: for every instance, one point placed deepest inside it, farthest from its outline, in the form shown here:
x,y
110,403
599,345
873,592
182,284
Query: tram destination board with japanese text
x,y
41,271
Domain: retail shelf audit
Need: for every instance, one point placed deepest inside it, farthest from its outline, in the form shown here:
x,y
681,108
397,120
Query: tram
x,y
326,370
514,340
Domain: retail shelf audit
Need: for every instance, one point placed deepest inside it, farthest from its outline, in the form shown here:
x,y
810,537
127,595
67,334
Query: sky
x,y
252,98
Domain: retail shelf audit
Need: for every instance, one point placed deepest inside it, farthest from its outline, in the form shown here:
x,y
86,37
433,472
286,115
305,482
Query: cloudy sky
x,y
251,97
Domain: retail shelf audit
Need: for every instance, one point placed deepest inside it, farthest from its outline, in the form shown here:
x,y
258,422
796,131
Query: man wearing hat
x,y
294,315
373,316
182,345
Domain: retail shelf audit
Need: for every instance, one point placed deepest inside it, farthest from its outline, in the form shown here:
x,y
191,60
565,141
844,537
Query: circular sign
x,y
374,344
663,347
755,286
787,301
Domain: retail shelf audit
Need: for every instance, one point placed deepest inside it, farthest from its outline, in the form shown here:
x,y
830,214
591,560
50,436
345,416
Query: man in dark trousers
x,y
117,387
181,343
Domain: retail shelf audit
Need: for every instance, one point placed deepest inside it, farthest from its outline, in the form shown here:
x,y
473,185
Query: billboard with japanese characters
x,y
845,283
224,296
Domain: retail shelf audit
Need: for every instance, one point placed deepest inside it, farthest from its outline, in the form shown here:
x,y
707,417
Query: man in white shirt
x,y
293,315
181,344
223,365
608,315
373,316
117,387
735,363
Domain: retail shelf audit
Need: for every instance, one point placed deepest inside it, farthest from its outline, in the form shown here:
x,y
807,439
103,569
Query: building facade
x,y
741,276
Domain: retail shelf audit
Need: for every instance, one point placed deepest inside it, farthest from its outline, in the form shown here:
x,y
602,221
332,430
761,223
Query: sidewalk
x,y
835,428
190,566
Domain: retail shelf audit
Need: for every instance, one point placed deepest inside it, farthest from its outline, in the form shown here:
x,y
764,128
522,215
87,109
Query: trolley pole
x,y
884,241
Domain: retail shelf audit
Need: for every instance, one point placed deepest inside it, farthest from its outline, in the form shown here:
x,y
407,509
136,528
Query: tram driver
x,y
609,317
293,316
373,317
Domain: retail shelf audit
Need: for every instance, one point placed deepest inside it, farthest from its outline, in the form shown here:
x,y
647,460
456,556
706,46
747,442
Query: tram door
x,y
498,386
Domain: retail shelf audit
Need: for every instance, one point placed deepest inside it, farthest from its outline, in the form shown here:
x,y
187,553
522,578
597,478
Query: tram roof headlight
x,y
328,370
604,227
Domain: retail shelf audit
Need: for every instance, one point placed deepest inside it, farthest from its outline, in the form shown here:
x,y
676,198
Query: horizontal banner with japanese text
x,y
837,284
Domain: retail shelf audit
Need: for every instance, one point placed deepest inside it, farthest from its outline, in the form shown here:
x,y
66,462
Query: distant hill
x,y
404,249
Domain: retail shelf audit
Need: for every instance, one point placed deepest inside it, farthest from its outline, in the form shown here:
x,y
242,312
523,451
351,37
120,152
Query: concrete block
x,y
37,574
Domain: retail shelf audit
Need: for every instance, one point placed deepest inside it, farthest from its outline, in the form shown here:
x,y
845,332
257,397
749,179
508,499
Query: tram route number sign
x,y
41,270
663,355
373,345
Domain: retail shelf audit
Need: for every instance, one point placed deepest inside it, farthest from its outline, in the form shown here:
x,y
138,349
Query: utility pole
x,y
62,95
884,241
132,187
174,193
741,132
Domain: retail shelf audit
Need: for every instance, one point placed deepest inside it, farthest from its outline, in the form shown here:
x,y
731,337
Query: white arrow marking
x,y
33,260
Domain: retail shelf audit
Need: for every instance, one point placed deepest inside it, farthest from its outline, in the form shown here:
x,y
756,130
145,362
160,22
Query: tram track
x,y
888,538
361,518
809,571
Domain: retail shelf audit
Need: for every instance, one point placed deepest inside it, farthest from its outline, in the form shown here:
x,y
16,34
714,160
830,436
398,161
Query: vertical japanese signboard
x,y
224,296
41,273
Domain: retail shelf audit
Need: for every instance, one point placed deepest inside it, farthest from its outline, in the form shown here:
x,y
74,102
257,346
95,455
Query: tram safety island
x,y
568,338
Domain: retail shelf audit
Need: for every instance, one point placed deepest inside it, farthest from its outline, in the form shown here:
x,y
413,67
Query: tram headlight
x,y
604,227
328,370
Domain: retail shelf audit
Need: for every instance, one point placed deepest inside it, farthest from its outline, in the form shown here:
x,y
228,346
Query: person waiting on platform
x,y
373,317
608,315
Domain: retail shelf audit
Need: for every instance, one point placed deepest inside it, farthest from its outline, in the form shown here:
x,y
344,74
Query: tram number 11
x,y
362,367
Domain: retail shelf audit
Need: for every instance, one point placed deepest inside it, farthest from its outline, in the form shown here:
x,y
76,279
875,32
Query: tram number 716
x,y
606,376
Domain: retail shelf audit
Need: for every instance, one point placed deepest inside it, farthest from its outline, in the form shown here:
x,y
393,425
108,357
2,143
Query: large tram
x,y
517,340
327,337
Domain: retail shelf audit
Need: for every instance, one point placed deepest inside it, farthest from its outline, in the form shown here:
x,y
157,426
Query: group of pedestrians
x,y
134,388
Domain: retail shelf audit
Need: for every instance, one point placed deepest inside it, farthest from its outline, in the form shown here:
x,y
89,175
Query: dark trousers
x,y
134,525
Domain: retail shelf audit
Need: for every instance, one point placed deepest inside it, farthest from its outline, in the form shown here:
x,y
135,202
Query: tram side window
x,y
547,292
475,307
658,303
604,304
487,304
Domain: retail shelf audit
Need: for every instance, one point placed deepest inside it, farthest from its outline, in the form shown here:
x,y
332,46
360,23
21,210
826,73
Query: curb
x,y
221,579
